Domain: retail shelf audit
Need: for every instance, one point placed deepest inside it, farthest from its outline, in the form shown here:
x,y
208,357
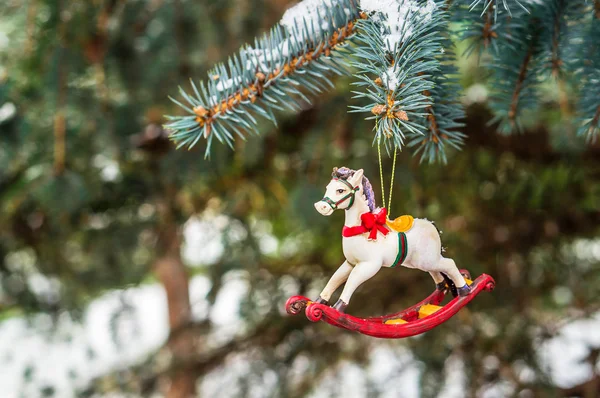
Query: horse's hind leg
x,y
448,267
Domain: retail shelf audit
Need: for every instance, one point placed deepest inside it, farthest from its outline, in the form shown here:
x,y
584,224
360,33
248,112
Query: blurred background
x,y
130,269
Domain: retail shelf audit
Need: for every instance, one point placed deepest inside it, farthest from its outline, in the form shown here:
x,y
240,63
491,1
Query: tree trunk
x,y
171,272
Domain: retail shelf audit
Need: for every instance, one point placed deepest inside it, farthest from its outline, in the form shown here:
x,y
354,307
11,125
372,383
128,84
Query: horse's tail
x,y
443,249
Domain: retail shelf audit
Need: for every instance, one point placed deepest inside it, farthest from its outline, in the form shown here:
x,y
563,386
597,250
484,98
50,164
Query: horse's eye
x,y
340,191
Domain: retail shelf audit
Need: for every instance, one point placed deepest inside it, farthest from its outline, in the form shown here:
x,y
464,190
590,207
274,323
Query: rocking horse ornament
x,y
371,242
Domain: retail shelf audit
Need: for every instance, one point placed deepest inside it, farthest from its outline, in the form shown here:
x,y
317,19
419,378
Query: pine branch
x,y
395,71
589,77
269,76
443,115
482,29
589,106
494,4
442,120
60,121
514,103
556,61
403,61
516,71
559,34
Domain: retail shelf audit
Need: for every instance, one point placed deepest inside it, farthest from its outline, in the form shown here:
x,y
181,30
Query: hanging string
x,y
381,172
392,181
382,183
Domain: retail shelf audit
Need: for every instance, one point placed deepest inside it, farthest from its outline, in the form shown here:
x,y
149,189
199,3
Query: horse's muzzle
x,y
323,208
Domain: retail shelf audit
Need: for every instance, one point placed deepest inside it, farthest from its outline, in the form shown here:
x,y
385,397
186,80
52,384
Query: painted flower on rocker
x,y
370,241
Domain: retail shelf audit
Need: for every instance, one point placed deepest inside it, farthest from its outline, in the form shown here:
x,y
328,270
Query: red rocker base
x,y
417,319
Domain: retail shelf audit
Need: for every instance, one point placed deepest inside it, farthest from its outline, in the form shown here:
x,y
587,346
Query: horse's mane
x,y
344,173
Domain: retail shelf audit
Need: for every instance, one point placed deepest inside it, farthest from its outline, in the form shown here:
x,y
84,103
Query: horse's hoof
x,y
340,306
441,286
296,308
321,300
464,291
451,285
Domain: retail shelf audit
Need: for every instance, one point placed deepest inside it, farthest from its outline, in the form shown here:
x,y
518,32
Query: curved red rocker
x,y
412,321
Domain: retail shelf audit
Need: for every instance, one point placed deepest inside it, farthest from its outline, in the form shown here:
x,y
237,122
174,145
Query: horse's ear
x,y
356,179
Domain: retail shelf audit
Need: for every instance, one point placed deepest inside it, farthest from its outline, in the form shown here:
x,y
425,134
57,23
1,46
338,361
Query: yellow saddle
x,y
401,224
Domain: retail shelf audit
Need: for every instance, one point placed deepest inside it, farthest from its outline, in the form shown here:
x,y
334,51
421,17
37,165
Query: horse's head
x,y
343,189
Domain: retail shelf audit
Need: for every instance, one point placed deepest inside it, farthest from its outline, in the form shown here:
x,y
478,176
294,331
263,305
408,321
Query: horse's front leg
x,y
335,281
440,282
363,271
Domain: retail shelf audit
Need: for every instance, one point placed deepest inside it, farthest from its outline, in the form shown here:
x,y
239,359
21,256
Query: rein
x,y
351,195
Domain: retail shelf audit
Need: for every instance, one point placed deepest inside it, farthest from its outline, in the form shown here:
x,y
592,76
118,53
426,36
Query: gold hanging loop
x,y
392,181
381,175
381,172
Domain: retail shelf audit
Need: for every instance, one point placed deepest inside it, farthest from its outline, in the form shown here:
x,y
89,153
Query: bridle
x,y
351,195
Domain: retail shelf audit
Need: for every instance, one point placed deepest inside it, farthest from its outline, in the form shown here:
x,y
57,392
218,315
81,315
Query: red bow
x,y
371,222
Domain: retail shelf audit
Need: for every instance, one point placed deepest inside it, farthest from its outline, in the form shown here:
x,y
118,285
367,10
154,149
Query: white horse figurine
x,y
420,247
